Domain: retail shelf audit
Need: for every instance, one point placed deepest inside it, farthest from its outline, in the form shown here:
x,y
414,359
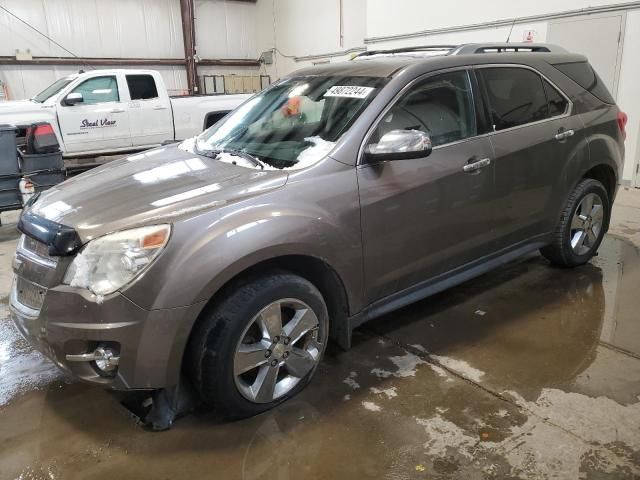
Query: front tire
x,y
259,346
582,225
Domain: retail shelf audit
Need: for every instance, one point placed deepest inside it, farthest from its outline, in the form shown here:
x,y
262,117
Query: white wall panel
x,y
406,16
226,29
629,95
91,28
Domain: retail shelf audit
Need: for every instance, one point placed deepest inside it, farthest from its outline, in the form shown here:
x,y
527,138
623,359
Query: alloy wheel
x,y
278,348
586,224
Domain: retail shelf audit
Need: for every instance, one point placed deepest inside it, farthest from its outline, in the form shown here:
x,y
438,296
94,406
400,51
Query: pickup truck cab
x,y
107,111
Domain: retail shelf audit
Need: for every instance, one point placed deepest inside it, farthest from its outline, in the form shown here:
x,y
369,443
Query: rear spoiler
x,y
61,240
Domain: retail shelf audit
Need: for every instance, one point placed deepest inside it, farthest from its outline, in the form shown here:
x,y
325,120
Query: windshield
x,y
51,90
294,123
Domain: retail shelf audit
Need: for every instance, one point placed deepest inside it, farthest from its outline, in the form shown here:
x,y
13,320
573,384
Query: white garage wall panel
x,y
92,28
309,28
629,95
405,16
227,29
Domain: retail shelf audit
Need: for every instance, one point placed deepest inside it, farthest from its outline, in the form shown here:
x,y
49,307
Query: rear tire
x,y
258,346
582,225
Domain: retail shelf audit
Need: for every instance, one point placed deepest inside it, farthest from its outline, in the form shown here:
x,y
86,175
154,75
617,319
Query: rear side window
x,y
516,96
584,75
142,87
556,103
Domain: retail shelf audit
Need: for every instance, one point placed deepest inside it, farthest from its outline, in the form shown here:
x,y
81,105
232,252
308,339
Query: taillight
x,y
40,138
622,124
43,129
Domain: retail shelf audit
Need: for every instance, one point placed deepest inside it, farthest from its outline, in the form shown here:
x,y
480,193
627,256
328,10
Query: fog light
x,y
105,358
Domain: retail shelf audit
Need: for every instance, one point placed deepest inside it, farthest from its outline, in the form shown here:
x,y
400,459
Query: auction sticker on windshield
x,y
348,91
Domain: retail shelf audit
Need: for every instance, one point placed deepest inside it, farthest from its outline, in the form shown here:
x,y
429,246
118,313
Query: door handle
x,y
159,107
117,110
561,135
476,165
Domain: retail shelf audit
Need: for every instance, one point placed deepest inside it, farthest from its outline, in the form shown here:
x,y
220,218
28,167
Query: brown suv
x,y
340,193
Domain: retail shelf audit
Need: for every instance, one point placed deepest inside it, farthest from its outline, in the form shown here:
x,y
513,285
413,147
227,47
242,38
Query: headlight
x,y
108,263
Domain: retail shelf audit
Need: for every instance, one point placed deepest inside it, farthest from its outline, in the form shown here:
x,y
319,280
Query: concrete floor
x,y
527,372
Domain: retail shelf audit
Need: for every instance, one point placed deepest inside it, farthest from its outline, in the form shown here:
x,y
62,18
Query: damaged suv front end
x,y
115,266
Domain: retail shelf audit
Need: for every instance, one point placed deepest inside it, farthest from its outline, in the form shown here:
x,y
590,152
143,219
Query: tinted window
x,y
556,103
584,75
142,87
516,96
441,106
98,90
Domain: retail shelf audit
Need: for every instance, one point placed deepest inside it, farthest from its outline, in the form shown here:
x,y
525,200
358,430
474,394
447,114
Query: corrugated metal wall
x,y
123,29
93,28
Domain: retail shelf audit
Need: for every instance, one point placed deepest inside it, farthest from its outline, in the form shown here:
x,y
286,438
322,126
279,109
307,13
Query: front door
x,y
426,216
100,121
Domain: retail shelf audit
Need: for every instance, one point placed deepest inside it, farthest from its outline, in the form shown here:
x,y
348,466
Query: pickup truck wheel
x,y
582,226
259,346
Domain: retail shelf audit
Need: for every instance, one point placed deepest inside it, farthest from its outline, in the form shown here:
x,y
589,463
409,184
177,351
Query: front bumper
x,y
70,321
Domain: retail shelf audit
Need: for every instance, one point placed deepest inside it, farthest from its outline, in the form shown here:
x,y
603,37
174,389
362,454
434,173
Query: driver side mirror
x,y
73,99
399,145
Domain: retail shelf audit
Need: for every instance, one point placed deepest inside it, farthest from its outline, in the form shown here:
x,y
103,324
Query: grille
x,y
30,294
35,246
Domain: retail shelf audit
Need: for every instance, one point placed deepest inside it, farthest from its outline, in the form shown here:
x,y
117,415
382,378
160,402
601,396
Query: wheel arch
x,y
605,174
317,271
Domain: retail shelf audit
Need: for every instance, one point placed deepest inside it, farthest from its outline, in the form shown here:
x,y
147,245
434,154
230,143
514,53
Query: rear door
x,y
534,137
423,217
149,111
100,122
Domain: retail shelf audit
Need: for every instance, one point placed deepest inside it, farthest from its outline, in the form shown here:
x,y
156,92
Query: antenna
x,y
511,29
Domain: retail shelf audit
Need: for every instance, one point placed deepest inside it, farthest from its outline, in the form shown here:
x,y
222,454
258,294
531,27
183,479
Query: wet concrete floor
x,y
527,372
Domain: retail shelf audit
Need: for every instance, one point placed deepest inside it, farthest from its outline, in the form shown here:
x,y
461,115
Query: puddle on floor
x,y
529,325
22,369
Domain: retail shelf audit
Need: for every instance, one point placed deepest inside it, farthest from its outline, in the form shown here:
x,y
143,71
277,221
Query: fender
x,y
208,249
594,149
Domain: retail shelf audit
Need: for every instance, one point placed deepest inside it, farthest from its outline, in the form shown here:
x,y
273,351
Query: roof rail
x,y
422,48
472,48
469,49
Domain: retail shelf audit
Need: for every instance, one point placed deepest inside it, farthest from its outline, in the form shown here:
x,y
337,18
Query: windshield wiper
x,y
238,153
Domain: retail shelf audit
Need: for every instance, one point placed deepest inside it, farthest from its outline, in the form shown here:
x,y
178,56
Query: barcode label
x,y
348,91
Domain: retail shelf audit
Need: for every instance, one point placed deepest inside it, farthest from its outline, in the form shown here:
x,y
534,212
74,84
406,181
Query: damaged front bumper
x,y
69,324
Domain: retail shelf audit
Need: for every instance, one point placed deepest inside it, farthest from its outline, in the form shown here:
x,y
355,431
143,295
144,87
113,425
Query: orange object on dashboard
x,y
292,107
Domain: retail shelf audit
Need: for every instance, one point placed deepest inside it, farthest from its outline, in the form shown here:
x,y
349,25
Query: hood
x,y
18,106
157,186
21,112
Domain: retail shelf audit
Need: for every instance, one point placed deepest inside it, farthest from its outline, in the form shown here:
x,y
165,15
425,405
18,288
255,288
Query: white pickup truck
x,y
108,111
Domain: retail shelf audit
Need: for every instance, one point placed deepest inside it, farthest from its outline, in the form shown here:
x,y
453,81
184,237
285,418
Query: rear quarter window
x,y
584,75
142,87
